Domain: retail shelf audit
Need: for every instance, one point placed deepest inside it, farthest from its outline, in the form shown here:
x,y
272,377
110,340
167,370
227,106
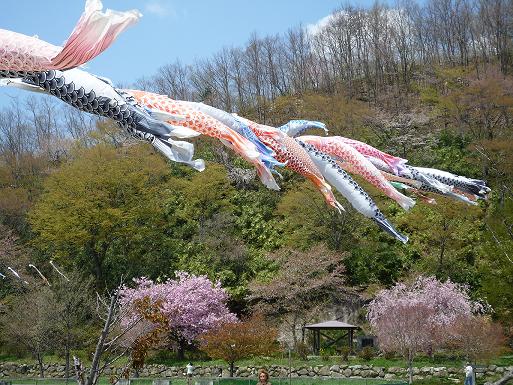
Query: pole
x,y
290,369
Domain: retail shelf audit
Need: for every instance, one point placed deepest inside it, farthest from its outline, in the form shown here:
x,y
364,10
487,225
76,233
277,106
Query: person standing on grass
x,y
263,377
469,375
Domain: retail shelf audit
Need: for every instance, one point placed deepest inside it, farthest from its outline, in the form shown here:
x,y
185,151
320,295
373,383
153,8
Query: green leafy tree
x,y
306,220
446,239
111,212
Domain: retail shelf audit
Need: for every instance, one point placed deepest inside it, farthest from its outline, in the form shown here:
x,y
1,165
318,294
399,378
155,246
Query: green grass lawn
x,y
506,360
377,361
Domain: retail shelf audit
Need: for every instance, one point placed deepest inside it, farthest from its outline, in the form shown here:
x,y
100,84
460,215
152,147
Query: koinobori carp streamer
x,y
32,64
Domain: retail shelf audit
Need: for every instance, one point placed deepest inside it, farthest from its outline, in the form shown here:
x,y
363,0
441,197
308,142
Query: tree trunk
x,y
410,368
181,349
66,348
505,379
293,330
232,368
40,363
94,374
67,362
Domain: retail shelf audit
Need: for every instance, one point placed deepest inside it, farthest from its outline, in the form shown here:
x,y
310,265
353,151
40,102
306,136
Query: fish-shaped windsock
x,y
95,95
206,125
424,182
395,178
58,271
417,178
476,187
15,273
298,127
433,185
289,151
21,55
354,162
40,274
266,154
408,187
344,184
395,163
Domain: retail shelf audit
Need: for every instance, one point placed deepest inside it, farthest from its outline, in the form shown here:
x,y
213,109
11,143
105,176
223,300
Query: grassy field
x,y
506,360
377,361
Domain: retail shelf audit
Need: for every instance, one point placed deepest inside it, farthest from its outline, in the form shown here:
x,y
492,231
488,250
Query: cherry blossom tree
x,y
192,305
409,319
305,284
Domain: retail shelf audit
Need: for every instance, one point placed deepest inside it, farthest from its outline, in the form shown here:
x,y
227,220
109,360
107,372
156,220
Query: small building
x,y
332,325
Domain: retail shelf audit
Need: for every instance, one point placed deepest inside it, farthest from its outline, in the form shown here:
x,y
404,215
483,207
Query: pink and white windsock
x,y
355,162
93,34
394,162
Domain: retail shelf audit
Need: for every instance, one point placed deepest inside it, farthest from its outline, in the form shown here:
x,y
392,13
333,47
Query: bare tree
x,y
27,323
13,255
110,346
73,307
305,283
360,50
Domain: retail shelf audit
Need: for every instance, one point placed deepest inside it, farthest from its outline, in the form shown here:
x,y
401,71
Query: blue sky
x,y
169,29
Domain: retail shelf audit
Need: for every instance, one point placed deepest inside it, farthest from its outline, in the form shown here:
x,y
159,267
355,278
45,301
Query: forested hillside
x,y
430,82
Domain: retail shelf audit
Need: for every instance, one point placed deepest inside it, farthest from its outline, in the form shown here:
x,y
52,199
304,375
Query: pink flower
x,y
192,304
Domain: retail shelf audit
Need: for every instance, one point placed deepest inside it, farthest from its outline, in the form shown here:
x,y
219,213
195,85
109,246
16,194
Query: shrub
x,y
367,353
302,350
344,353
325,354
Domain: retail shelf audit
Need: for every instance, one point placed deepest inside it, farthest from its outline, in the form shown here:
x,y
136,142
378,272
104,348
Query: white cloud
x,y
158,9
314,29
394,17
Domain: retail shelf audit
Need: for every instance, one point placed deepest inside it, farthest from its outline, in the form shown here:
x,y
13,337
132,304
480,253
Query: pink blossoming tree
x,y
192,305
409,319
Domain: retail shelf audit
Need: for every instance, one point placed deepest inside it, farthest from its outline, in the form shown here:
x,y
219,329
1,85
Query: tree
x,y
74,307
27,324
192,305
414,318
305,221
477,337
12,254
112,210
305,282
483,109
446,235
117,323
233,341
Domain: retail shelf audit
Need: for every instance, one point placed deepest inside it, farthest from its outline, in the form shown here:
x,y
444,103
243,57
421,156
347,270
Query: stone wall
x,y
341,371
